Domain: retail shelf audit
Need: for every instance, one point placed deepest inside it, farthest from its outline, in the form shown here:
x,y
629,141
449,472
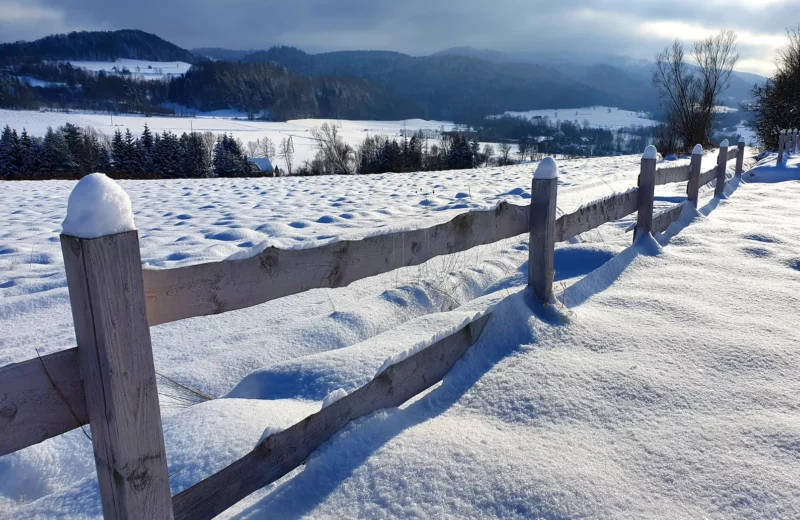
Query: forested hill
x,y
450,86
96,46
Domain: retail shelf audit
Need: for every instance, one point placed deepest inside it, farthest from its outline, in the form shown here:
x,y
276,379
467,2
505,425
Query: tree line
x,y
70,152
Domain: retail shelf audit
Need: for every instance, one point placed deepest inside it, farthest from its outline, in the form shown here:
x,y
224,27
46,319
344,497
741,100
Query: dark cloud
x,y
572,28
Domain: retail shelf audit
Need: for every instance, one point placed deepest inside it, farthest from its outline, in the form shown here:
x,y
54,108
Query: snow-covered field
x,y
669,385
353,132
600,117
140,69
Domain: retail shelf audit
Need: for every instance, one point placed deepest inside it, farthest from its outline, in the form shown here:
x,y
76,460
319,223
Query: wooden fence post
x,y
794,140
106,291
693,187
781,142
544,191
722,164
647,189
740,156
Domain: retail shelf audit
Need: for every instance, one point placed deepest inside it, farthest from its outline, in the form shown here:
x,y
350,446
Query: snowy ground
x,y
602,117
671,384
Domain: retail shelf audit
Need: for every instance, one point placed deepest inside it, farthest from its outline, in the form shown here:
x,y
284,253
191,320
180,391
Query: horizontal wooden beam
x,y
212,288
708,176
31,409
674,174
732,152
281,452
596,214
662,221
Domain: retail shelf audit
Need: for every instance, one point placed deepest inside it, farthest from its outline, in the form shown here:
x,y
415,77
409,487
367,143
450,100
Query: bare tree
x,y
253,148
266,147
286,153
488,152
689,92
505,151
338,155
209,139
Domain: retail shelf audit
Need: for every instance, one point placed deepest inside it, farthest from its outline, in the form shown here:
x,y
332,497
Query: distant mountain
x,y
96,46
220,54
629,78
452,87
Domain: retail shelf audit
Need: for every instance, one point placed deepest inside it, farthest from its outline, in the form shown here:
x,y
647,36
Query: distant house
x,y
261,165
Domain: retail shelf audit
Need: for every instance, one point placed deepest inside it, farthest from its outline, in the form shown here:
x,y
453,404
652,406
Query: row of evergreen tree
x,y
70,152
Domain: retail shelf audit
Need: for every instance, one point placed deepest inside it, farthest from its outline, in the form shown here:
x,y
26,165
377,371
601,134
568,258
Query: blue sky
x,y
568,28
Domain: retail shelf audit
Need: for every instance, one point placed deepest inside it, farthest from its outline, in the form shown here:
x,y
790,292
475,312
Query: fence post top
x,y
698,150
650,152
783,131
724,144
741,139
547,169
97,207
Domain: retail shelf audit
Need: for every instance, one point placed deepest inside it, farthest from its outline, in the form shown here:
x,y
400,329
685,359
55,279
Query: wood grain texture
x,y
693,186
596,214
281,452
670,175
541,245
213,288
31,410
662,220
722,164
104,276
644,217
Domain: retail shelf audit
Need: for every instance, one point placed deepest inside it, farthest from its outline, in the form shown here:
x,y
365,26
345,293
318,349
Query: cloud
x,y
572,28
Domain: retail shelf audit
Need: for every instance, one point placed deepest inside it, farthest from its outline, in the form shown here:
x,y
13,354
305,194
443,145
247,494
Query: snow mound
x,y
650,152
547,169
97,207
333,397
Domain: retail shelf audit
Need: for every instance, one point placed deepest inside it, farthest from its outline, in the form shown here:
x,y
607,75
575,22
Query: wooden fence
x,y
787,143
109,380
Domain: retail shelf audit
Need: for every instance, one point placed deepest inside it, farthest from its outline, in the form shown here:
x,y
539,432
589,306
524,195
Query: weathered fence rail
x,y
108,381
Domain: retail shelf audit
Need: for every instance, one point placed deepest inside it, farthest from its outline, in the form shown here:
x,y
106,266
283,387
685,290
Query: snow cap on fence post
x,y
547,169
724,144
650,152
698,150
741,139
97,207
542,227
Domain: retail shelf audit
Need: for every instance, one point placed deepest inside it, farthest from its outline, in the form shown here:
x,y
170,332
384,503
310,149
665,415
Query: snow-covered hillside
x,y
600,117
668,384
140,69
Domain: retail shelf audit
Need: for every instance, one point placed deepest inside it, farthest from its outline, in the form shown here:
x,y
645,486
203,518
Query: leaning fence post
x,y
722,164
104,275
544,190
693,187
740,156
781,142
647,189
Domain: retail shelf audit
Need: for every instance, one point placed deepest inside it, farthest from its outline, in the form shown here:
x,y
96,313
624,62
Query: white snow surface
x,y
650,152
602,117
547,169
663,379
97,207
